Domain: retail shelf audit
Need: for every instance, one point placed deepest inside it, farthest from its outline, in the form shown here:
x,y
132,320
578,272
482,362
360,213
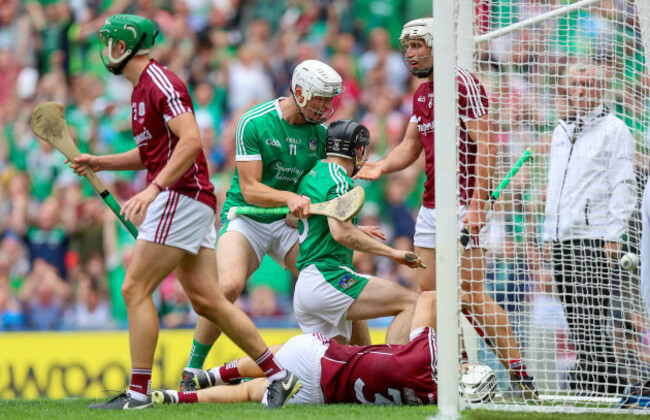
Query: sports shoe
x,y
636,395
163,397
187,382
527,386
122,402
282,390
204,379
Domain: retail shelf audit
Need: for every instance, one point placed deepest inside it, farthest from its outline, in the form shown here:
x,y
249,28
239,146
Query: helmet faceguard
x,y
418,30
349,140
478,383
321,88
137,33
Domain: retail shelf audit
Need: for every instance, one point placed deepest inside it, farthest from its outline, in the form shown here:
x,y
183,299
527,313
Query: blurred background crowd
x,y
63,254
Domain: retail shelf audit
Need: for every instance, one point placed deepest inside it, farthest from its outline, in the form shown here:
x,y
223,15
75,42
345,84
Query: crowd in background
x,y
63,254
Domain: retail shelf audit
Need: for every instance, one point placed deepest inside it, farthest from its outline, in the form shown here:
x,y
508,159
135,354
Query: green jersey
x,y
324,182
287,152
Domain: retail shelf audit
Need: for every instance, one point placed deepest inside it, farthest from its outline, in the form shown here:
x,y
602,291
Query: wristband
x,y
157,185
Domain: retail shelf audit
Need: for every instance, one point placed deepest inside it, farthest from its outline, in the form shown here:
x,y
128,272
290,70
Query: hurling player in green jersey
x,y
329,293
277,142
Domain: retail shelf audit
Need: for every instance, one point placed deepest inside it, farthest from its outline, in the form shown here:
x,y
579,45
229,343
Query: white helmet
x,y
316,78
418,28
478,383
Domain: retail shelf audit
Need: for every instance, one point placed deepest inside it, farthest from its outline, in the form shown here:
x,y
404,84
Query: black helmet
x,y
350,140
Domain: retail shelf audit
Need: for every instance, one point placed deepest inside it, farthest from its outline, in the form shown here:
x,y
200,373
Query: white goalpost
x,y
567,80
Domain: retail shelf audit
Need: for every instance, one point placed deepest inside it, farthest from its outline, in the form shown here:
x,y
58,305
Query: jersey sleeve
x,y
339,182
170,95
472,98
247,141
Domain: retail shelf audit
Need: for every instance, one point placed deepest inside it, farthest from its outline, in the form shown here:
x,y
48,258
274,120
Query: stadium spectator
x,y
91,309
590,198
44,296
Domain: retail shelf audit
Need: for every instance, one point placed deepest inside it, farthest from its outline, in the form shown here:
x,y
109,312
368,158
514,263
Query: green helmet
x,y
138,34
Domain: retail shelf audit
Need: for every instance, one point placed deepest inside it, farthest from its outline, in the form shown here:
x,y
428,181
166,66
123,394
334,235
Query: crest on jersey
x,y
313,145
141,109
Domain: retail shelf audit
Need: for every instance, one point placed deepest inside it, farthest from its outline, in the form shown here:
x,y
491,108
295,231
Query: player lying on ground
x,y
329,293
336,373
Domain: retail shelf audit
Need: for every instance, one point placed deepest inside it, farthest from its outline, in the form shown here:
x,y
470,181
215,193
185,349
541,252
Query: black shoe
x,y
527,386
282,390
122,402
205,379
163,397
187,382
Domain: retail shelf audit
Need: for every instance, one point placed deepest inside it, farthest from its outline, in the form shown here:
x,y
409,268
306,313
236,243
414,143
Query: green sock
x,y
198,354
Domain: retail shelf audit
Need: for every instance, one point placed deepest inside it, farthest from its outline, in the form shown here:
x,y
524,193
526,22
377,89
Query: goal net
x,y
568,81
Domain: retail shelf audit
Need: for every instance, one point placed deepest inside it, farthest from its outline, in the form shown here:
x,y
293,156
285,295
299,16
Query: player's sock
x,y
226,373
187,397
197,356
518,367
270,366
140,387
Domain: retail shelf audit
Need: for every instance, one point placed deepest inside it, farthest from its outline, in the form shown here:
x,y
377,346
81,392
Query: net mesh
x,y
573,90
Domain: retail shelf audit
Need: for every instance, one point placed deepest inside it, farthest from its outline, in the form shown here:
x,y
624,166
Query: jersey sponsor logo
x,y
421,98
293,141
283,171
141,139
313,145
425,128
347,281
273,142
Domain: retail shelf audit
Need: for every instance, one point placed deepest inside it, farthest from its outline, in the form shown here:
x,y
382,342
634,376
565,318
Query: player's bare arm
x,y
350,236
127,161
480,131
399,158
189,145
258,194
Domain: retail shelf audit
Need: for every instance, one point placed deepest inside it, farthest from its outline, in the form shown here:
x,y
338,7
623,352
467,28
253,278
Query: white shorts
x,y
319,307
273,239
177,220
302,355
425,230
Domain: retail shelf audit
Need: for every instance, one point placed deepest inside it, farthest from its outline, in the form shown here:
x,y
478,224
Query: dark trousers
x,y
583,280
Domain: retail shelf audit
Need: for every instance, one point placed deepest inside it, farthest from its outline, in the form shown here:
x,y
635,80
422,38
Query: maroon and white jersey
x,y
382,374
158,97
472,104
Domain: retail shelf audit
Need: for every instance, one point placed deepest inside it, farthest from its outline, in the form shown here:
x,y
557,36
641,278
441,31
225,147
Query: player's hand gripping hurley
x,y
494,196
48,123
342,208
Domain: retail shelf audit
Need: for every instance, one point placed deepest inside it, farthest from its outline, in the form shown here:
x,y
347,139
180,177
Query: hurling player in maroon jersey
x,y
334,373
175,213
477,152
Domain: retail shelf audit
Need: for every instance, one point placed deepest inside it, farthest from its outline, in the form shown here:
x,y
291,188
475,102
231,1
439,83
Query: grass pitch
x,y
76,409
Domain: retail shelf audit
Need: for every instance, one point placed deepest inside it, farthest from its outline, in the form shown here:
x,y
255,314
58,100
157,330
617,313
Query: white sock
x,y
174,395
217,375
280,375
193,370
136,395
